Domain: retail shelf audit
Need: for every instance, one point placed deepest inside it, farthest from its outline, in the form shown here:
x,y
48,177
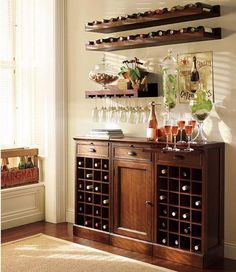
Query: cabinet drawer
x,y
185,158
132,153
96,149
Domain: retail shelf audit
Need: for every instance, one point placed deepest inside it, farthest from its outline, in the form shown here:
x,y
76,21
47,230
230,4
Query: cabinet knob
x,y
132,153
93,150
148,203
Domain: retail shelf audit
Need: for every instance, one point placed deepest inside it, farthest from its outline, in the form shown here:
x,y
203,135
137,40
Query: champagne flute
x,y
188,131
174,131
181,124
167,131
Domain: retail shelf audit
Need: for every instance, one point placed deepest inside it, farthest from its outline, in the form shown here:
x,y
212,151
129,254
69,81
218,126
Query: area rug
x,y
43,253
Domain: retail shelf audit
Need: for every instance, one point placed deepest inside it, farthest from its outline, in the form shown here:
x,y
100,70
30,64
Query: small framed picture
x,y
204,65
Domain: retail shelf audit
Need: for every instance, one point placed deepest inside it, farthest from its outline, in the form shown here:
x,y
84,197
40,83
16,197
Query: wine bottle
x,y
194,76
185,215
174,214
163,225
105,166
81,197
80,163
97,225
187,230
204,7
152,125
81,209
176,242
122,39
89,175
164,211
171,31
161,33
89,199
152,34
185,188
163,171
197,247
197,203
184,174
29,163
105,21
89,187
22,164
104,226
97,165
80,186
113,39
90,23
105,201
97,212
164,241
105,177
97,189
87,223
162,197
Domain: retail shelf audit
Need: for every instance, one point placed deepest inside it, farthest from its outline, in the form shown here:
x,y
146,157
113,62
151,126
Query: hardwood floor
x,y
64,231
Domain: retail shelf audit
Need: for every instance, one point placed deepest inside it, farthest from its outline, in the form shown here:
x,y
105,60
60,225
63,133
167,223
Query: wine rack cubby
x,y
92,195
179,207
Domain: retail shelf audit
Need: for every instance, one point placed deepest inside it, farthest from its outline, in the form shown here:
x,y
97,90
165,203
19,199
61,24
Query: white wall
x,y
221,124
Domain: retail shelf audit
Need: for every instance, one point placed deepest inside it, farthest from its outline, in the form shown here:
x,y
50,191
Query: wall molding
x,y
230,251
22,205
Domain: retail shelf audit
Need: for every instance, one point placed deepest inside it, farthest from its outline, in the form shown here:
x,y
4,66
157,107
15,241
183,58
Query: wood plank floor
x,y
65,231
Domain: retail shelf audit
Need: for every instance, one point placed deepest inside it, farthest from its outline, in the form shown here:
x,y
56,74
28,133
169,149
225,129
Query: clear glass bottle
x,y
152,129
170,75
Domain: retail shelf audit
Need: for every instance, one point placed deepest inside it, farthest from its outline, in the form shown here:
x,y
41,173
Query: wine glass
x,y
181,124
192,123
167,131
174,131
188,131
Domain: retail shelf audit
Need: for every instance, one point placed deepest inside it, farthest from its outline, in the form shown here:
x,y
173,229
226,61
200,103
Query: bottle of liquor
x,y
152,130
89,187
185,215
29,163
105,201
185,188
194,76
22,164
187,230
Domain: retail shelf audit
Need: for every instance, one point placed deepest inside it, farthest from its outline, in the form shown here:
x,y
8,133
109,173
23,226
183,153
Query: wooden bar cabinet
x,y
131,194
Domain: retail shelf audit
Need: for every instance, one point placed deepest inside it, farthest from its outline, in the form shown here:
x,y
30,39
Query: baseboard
x,y
230,251
70,216
22,205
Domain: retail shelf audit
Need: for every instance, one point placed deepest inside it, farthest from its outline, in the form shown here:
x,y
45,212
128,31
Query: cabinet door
x,y
133,199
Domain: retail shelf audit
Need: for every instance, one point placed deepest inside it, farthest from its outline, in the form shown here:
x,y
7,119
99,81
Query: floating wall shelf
x,y
154,18
140,42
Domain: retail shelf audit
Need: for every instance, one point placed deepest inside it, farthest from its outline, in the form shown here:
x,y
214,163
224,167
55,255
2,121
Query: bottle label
x,y
151,134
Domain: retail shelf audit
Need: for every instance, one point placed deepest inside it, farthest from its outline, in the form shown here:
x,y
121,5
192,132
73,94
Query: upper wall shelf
x,y
154,18
145,40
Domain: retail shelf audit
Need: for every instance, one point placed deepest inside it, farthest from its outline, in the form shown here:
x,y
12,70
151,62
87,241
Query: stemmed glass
x,y
167,131
95,111
188,131
174,130
193,124
181,124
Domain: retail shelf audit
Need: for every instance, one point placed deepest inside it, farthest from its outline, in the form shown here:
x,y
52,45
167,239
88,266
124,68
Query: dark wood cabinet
x,y
133,199
131,194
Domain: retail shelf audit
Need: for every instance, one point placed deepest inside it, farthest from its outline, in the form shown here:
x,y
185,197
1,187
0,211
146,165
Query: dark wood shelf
x,y
113,91
169,17
139,42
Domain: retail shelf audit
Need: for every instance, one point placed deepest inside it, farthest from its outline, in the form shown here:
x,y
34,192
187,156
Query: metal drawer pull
x,y
92,150
178,157
132,153
148,202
